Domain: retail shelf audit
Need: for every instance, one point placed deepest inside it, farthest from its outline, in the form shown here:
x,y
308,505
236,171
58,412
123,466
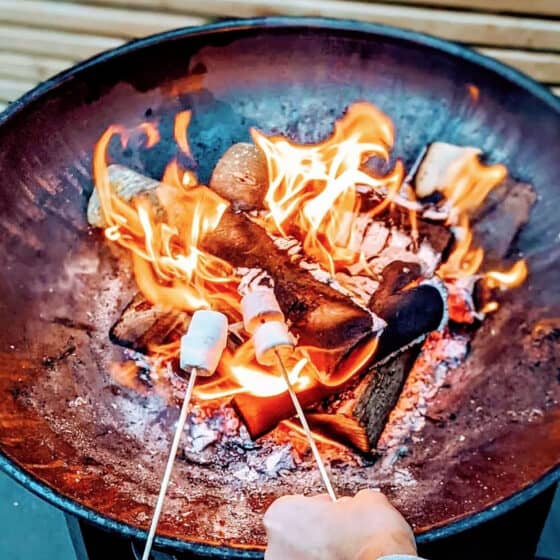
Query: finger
x,y
372,495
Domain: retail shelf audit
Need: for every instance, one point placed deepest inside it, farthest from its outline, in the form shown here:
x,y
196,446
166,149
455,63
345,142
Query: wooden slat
x,y
59,44
11,89
91,19
541,66
534,7
468,27
29,67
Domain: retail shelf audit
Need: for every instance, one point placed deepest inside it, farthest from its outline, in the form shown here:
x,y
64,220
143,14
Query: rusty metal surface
x,y
494,432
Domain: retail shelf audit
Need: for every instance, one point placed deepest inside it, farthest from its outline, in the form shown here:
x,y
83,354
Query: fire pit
x,y
87,401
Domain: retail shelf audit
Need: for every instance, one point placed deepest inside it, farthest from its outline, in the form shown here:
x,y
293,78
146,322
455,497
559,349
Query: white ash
x,y
358,229
78,401
202,436
403,477
288,244
360,287
441,353
374,240
253,279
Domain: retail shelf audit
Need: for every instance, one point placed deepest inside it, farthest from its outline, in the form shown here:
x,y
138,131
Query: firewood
x,y
360,419
128,185
319,315
143,323
241,176
501,218
418,311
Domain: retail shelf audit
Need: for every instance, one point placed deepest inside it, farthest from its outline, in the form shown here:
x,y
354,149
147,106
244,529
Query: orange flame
x,y
170,267
182,121
313,188
315,194
512,278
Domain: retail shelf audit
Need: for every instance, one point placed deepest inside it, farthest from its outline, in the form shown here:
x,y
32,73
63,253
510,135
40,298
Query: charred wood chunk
x,y
241,176
394,278
143,323
319,315
410,316
501,218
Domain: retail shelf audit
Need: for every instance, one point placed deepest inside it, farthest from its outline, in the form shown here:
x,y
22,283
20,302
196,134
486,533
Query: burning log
x,y
127,185
143,323
319,315
499,221
359,421
410,314
241,177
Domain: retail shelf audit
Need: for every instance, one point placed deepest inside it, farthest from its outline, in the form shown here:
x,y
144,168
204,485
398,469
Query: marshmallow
x,y
268,337
260,306
206,339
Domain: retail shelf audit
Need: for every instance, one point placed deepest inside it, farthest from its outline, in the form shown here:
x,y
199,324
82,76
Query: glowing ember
x,y
313,192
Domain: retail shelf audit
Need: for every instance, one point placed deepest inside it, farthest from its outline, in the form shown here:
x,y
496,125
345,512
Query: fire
x,y
313,192
468,183
512,278
169,266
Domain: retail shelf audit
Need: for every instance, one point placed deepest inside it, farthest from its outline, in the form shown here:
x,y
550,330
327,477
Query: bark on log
x,y
501,218
359,421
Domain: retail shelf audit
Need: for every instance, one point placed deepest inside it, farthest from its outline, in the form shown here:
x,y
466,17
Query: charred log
x,y
499,221
319,315
414,313
410,315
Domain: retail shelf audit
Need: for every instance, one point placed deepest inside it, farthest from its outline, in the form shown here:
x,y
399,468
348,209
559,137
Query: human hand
x,y
365,527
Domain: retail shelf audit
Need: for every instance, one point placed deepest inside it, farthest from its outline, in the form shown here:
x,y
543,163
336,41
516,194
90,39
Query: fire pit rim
x,y
518,78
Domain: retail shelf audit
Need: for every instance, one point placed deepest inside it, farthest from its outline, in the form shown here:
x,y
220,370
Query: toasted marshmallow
x,y
204,343
260,306
268,337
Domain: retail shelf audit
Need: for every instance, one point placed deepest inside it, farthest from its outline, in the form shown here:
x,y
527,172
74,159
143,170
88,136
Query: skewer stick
x,y
301,415
169,467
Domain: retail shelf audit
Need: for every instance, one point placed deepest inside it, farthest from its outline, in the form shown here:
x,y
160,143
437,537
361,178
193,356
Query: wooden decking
x,y
39,38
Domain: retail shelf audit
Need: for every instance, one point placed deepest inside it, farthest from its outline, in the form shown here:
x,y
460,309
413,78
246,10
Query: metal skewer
x,y
301,415
169,466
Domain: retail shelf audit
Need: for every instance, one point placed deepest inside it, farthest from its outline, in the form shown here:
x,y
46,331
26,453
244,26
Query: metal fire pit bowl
x,y
74,438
